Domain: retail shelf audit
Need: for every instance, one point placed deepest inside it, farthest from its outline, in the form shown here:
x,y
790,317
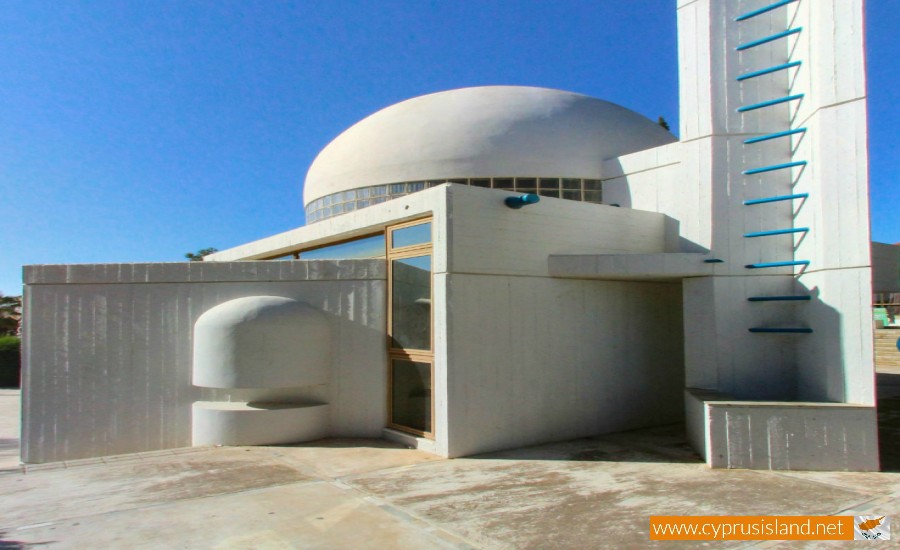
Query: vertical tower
x,y
773,129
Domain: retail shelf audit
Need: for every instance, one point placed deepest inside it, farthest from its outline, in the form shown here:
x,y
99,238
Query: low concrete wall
x,y
782,435
107,349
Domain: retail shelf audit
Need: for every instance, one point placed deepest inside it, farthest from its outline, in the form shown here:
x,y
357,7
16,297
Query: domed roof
x,y
490,131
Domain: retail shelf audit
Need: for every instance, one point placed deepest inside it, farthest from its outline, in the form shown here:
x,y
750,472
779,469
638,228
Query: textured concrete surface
x,y
354,493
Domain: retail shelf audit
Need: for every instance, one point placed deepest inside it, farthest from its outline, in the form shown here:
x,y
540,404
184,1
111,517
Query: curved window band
x,y
584,190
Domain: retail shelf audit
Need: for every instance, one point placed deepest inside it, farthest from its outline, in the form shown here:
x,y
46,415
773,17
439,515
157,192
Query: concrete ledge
x,y
230,423
630,267
775,435
410,440
206,272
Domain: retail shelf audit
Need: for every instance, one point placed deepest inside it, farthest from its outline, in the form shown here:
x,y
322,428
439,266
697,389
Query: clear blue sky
x,y
138,131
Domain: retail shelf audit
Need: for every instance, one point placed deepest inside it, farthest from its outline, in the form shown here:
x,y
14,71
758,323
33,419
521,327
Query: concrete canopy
x,y
486,131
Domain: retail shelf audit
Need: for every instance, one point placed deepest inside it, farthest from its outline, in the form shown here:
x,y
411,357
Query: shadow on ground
x,y
661,444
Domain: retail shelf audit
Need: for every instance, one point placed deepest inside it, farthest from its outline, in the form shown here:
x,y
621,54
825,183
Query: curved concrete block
x,y
229,423
261,342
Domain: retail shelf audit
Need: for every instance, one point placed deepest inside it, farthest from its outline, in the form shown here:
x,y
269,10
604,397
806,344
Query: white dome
x,y
492,131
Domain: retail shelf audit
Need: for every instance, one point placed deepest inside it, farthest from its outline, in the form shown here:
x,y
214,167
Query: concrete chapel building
x,y
488,268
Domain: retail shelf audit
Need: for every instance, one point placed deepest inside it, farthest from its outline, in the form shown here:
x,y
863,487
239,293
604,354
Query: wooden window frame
x,y
418,356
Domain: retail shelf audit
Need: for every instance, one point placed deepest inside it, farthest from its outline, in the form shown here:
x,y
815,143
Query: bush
x,y
10,361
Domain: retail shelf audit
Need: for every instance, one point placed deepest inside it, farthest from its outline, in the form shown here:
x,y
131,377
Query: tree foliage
x,y
662,122
198,256
10,314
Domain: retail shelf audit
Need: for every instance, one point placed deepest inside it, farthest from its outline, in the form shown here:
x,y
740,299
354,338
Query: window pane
x,y
503,183
379,190
592,196
398,188
572,195
549,183
550,193
592,184
415,186
480,182
571,184
412,235
411,303
411,394
526,184
367,247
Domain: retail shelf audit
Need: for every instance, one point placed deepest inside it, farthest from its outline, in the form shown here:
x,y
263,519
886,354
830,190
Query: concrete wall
x,y
485,236
107,349
535,359
524,358
781,436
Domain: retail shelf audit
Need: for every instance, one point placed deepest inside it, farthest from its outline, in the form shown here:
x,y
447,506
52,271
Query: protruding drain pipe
x,y
522,200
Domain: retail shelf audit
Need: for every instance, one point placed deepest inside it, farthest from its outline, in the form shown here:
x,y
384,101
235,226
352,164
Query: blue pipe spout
x,y
522,200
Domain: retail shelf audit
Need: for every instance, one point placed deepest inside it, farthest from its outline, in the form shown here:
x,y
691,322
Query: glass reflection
x,y
411,303
411,394
412,235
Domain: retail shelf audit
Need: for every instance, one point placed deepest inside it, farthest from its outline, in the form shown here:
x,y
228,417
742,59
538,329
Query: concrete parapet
x,y
772,435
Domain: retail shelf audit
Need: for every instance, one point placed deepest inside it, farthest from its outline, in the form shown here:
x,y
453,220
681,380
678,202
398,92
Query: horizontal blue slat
x,y
764,265
774,136
769,103
773,167
804,298
763,10
777,232
768,70
786,330
776,199
768,39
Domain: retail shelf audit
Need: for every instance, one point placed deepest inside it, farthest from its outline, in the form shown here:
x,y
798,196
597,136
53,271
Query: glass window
x,y
366,247
411,303
379,190
398,188
550,193
362,204
349,195
326,201
411,235
363,193
480,182
415,186
572,195
337,209
592,184
463,181
503,183
549,183
378,200
435,183
411,394
568,183
592,196
526,185
350,206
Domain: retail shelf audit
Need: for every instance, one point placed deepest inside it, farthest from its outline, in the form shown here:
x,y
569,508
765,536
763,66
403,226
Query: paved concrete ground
x,y
589,493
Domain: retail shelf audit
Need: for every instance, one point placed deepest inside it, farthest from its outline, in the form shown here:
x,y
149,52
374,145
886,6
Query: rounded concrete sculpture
x,y
261,343
491,131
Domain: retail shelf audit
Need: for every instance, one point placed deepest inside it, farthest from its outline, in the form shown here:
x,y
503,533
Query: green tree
x,y
198,256
662,122
10,314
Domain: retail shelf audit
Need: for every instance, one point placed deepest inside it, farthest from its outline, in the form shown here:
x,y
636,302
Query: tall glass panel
x,y
411,394
411,303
